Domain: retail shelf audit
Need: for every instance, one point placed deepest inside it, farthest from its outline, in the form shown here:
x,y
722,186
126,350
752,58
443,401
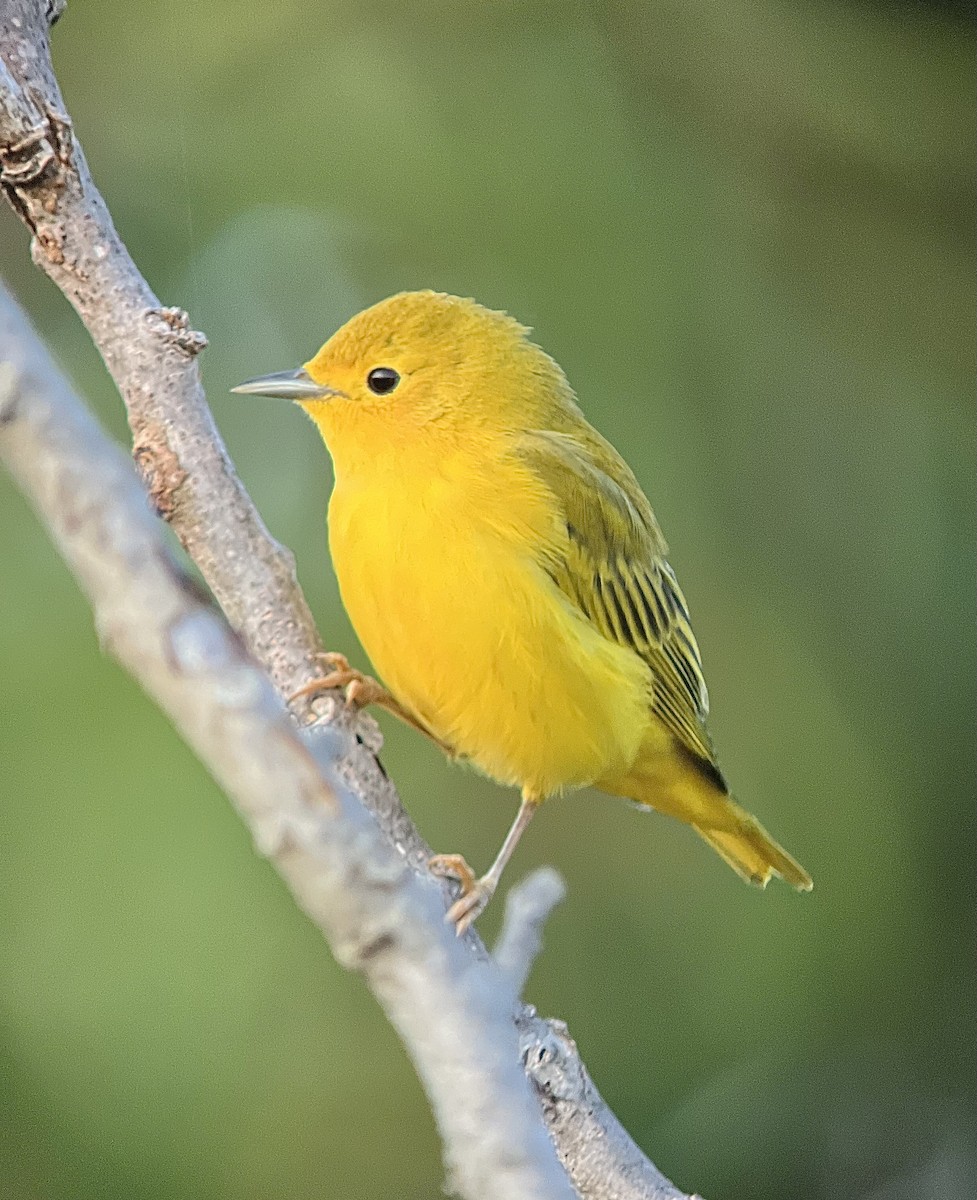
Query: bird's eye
x,y
382,380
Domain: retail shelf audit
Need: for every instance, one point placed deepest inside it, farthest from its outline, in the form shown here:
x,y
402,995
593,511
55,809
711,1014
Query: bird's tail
x,y
750,850
694,791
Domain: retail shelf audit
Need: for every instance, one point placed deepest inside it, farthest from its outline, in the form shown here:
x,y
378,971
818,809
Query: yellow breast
x,y
468,631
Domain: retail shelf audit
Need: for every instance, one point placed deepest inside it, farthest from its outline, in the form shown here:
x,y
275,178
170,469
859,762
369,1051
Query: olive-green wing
x,y
612,566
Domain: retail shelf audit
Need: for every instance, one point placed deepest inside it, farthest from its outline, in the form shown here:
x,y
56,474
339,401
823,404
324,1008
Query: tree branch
x,y
303,803
527,909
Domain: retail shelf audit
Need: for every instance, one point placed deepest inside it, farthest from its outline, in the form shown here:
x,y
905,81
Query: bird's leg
x,y
476,893
361,691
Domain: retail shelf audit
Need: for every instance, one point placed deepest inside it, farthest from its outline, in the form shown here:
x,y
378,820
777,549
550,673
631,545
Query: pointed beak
x,y
286,385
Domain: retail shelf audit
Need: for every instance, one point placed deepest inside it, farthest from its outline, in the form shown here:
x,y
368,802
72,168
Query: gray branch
x,y
527,909
314,806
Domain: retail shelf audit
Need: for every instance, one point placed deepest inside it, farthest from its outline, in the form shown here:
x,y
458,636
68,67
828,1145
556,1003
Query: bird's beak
x,y
286,385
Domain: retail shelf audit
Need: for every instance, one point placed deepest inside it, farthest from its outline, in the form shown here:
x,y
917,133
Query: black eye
x,y
382,380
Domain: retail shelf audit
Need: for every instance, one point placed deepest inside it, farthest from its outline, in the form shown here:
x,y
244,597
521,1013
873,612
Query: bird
x,y
507,577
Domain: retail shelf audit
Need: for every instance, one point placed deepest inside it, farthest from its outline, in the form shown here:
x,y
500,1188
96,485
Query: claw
x,y
475,893
360,689
361,692
469,907
452,866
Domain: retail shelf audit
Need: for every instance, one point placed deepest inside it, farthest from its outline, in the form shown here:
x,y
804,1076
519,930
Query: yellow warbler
x,y
507,577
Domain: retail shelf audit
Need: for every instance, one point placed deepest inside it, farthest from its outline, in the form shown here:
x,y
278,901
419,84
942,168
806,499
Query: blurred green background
x,y
745,229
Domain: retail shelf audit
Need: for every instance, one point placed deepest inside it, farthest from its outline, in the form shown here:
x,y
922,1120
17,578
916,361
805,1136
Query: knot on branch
x,y
36,161
160,469
173,325
552,1063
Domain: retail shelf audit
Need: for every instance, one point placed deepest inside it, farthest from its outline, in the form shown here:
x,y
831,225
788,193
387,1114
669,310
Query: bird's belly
x,y
475,638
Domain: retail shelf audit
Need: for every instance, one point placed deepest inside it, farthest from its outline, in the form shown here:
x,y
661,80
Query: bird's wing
x,y
611,564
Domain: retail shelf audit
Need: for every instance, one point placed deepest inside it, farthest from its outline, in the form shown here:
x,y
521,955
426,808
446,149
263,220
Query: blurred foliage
x,y
745,229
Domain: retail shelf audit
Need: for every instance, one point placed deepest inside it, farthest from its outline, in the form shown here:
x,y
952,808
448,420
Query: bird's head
x,y
421,365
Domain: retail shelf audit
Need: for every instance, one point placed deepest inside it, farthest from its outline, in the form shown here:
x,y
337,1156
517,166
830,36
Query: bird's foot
x,y
475,893
361,690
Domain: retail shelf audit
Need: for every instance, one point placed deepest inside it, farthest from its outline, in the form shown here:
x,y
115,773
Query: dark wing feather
x,y
612,566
